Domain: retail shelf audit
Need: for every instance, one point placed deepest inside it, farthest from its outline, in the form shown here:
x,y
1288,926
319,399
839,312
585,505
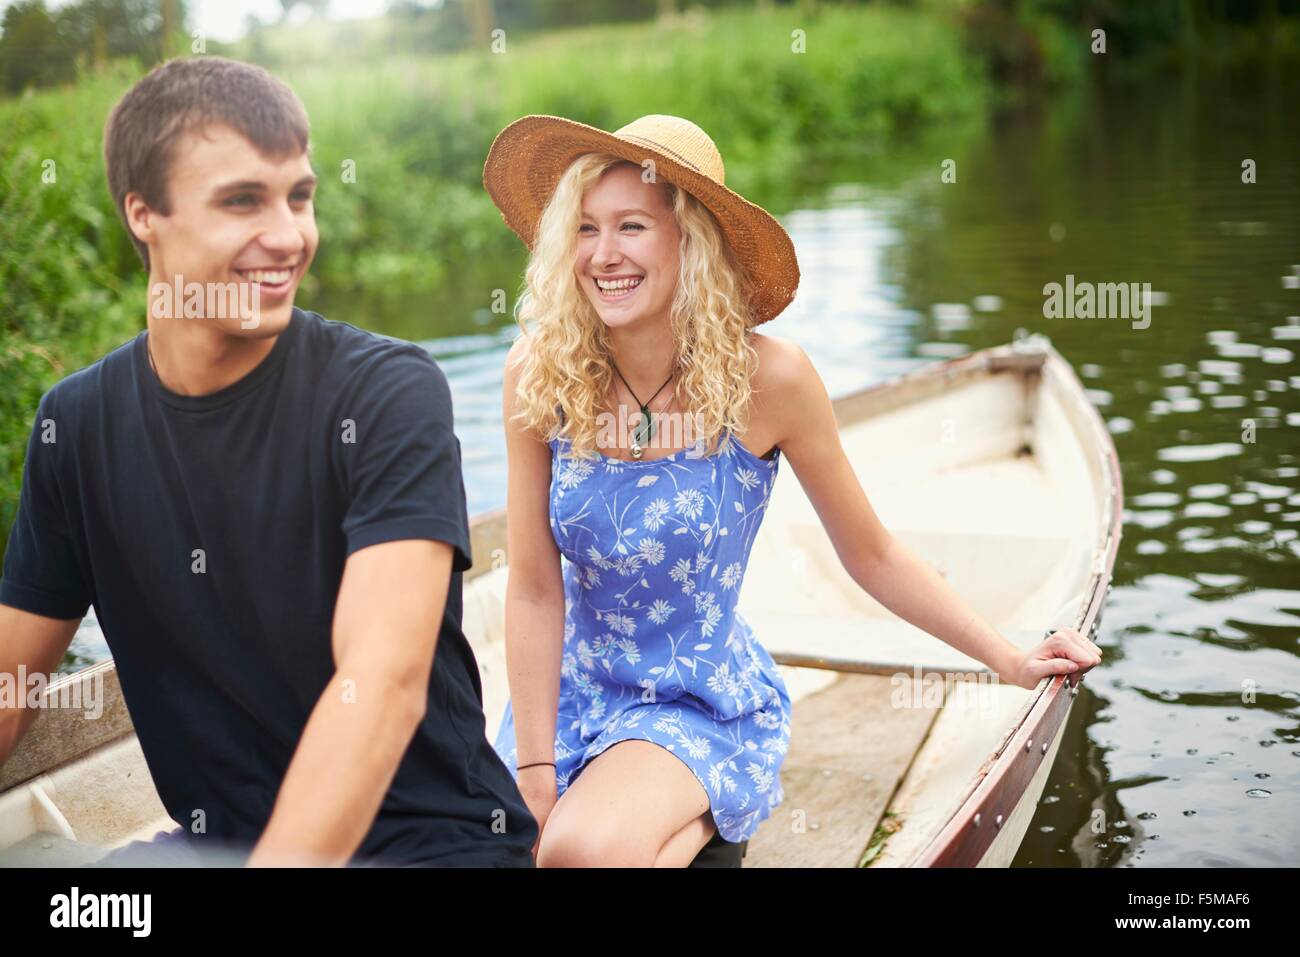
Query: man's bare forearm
x,y
14,723
36,644
12,729
386,624
345,762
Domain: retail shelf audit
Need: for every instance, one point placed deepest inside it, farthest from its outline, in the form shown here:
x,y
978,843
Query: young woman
x,y
645,423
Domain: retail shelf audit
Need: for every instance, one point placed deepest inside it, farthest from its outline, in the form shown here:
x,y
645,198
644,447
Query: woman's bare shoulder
x,y
784,369
518,350
514,361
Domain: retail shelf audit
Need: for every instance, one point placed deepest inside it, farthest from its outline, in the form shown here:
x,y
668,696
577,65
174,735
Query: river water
x,y
1183,748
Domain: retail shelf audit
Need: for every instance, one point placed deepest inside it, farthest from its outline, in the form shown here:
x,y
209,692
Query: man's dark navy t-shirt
x,y
210,534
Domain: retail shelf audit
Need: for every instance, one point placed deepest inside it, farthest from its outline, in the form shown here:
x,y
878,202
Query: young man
x,y
266,510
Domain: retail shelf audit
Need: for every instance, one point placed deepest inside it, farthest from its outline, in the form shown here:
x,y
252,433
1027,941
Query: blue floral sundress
x,y
653,555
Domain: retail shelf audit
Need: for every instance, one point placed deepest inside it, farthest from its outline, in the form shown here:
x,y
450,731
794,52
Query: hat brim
x,y
529,156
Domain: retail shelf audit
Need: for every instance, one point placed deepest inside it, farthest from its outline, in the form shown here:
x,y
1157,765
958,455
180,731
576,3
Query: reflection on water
x,y
1183,748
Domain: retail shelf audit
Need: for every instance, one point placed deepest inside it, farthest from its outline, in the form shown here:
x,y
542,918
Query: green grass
x,y
418,130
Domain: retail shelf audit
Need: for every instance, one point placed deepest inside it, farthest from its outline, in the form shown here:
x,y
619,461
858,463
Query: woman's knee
x,y
593,843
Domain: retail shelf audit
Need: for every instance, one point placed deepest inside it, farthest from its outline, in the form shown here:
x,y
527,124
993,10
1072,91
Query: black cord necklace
x,y
645,429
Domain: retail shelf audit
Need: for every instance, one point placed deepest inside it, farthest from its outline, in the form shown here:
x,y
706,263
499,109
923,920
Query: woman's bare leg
x,y
683,846
626,806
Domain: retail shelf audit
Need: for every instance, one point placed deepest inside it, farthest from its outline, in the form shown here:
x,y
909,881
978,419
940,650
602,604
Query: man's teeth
x,y
271,278
618,284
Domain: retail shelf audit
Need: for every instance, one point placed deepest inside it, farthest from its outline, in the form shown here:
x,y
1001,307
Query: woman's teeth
x,y
267,276
618,288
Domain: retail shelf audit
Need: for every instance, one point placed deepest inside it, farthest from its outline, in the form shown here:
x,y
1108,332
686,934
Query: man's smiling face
x,y
237,216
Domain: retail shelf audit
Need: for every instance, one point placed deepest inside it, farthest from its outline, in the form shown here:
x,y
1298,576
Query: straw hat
x,y
528,157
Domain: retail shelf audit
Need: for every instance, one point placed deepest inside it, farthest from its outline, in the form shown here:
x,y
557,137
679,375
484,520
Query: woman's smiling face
x,y
626,258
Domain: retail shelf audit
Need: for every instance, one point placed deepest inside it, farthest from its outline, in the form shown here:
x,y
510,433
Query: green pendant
x,y
645,429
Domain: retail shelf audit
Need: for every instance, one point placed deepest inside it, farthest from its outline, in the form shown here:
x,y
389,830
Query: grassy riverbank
x,y
417,130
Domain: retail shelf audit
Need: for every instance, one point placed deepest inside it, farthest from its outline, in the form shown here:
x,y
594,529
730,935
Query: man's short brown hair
x,y
186,94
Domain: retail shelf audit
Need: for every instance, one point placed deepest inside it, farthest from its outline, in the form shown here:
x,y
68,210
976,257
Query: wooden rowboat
x,y
994,467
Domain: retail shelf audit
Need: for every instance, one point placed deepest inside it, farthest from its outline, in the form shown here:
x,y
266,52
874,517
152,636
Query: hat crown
x,y
679,138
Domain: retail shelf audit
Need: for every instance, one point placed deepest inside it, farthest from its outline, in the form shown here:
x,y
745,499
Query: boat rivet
x,y
1044,751
1029,744
1074,692
998,822
977,820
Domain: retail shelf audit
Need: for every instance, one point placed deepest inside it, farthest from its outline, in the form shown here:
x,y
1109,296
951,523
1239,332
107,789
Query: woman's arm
x,y
534,605
795,398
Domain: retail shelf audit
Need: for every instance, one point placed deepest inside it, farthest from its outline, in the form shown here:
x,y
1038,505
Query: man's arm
x,y
386,624
38,643
43,590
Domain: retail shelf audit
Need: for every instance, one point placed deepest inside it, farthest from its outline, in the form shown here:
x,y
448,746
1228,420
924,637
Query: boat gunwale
x,y
964,838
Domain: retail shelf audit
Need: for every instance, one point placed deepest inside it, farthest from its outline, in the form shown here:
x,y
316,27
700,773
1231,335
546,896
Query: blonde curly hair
x,y
566,367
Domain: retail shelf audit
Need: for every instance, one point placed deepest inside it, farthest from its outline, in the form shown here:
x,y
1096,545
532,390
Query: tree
x,y
32,50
